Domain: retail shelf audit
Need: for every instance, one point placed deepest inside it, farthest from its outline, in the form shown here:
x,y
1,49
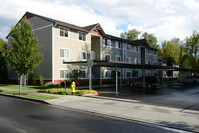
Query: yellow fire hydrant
x,y
73,87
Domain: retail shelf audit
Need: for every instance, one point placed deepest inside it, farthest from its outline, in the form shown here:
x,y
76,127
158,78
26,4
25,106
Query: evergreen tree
x,y
24,55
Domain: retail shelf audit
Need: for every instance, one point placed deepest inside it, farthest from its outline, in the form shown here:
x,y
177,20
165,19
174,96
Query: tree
x,y
130,35
24,55
151,39
77,73
170,49
3,62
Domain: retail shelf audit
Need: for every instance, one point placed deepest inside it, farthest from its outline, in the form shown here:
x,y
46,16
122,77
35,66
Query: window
x,y
149,62
148,73
108,74
63,32
148,51
107,57
82,36
82,55
118,58
84,73
107,42
64,53
136,48
155,63
136,60
117,44
128,74
128,47
64,74
155,52
128,59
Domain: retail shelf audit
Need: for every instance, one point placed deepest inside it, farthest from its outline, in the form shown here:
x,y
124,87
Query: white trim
x,y
127,47
78,55
68,53
86,74
119,44
107,42
85,36
107,54
52,53
64,35
149,61
64,69
129,59
105,74
130,74
118,56
42,27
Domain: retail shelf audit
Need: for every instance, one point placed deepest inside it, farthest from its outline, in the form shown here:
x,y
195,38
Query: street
x,y
19,116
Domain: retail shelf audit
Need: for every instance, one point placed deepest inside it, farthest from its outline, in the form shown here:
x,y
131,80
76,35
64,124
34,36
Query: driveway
x,y
171,95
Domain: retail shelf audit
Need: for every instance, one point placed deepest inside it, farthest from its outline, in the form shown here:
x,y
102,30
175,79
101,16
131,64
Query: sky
x,y
166,19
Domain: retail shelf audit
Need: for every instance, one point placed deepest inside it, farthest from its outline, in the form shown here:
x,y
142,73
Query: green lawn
x,y
40,97
29,87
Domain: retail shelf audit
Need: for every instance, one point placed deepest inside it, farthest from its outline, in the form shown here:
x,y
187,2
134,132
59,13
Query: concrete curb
x,y
26,98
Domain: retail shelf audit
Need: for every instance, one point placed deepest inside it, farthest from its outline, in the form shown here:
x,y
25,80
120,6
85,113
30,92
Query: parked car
x,y
150,82
189,80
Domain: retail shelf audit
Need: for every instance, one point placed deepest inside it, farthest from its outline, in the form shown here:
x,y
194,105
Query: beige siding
x,y
73,44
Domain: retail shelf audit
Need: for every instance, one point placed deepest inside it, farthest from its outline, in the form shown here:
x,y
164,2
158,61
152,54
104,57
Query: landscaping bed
x,y
63,91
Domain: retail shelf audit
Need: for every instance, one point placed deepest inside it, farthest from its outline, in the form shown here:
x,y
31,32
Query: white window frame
x,y
127,74
148,62
136,60
82,51
137,49
85,73
105,74
128,45
107,55
119,44
64,31
63,69
64,54
116,57
128,58
107,42
83,33
149,73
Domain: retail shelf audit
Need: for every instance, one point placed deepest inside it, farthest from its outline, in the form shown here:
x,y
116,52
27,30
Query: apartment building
x,y
66,42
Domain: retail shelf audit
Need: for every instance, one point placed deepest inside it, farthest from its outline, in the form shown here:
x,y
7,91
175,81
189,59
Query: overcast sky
x,y
165,18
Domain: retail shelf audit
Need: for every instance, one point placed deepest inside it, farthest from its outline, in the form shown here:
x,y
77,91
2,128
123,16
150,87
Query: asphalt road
x,y
19,116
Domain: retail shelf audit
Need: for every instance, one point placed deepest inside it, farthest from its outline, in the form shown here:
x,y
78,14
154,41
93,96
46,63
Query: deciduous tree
x,y
25,54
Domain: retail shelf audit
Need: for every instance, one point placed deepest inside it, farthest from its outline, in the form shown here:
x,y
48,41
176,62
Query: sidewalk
x,y
128,109
132,110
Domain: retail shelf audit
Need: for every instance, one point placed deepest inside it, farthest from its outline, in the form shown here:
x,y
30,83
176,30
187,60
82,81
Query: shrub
x,y
77,73
62,91
50,84
41,79
68,82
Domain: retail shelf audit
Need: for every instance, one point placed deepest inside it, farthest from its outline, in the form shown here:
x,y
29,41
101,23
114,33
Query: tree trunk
x,y
24,80
20,84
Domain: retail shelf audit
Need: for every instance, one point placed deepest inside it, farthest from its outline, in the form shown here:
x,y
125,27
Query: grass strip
x,y
40,97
